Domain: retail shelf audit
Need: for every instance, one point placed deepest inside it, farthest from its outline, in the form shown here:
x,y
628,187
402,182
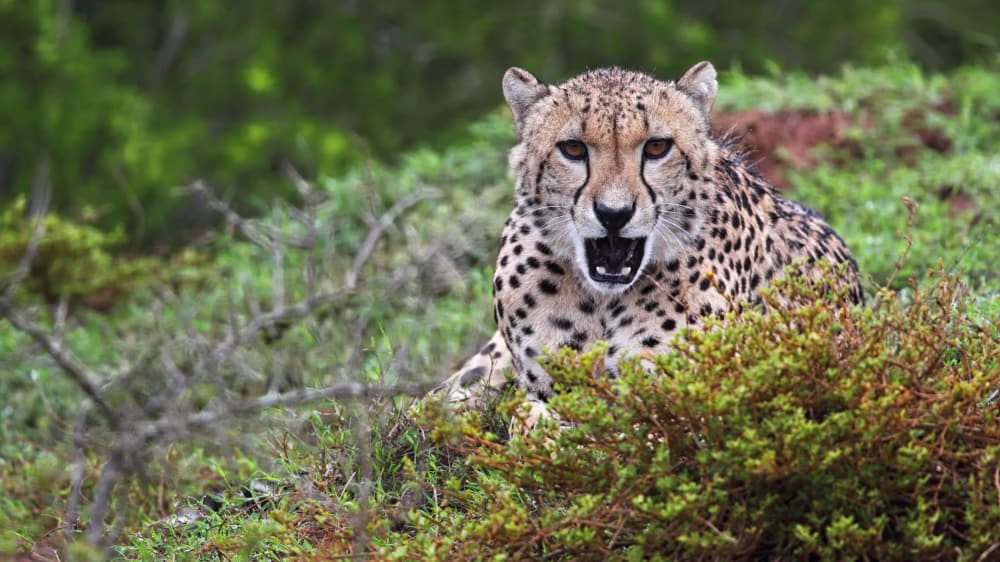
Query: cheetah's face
x,y
611,161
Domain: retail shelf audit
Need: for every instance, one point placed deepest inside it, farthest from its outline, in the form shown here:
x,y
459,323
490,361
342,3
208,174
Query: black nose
x,y
613,219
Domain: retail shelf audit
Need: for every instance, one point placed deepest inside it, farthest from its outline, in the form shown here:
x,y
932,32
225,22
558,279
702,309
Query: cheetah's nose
x,y
613,219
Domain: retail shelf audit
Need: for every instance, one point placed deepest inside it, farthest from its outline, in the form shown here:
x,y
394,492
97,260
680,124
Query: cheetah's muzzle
x,y
613,259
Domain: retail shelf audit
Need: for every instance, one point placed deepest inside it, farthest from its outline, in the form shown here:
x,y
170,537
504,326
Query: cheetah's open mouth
x,y
613,259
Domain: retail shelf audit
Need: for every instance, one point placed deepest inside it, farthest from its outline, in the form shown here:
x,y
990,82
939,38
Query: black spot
x,y
579,336
705,284
472,376
650,342
521,269
541,247
572,345
692,261
586,306
699,243
529,300
561,323
673,266
530,352
694,277
521,313
669,325
554,268
514,281
533,262
649,288
706,309
504,260
488,348
518,249
497,285
548,287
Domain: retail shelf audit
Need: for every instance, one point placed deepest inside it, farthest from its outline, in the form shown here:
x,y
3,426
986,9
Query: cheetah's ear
x,y
699,82
521,90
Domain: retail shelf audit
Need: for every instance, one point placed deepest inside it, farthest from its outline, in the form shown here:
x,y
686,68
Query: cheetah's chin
x,y
614,260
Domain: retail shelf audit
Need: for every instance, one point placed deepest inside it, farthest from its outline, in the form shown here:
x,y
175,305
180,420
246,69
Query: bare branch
x,y
264,321
342,391
87,380
171,46
41,198
378,229
259,234
102,497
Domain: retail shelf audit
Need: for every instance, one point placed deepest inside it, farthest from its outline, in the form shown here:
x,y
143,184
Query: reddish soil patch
x,y
783,140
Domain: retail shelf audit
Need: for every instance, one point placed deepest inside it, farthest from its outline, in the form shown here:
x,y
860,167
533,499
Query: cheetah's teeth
x,y
601,270
626,270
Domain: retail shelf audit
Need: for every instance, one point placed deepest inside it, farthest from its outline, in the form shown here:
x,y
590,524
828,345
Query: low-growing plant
x,y
77,261
807,430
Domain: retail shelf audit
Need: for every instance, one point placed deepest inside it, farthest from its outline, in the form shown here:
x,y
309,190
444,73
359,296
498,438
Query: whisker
x,y
659,205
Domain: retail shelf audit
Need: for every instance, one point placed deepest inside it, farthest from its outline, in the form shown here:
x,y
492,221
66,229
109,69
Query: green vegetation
x,y
118,105
809,431
831,432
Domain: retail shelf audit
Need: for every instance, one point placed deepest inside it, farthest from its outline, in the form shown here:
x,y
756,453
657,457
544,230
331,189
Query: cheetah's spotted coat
x,y
631,222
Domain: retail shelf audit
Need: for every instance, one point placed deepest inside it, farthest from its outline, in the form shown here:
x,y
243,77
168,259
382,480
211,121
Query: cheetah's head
x,y
612,164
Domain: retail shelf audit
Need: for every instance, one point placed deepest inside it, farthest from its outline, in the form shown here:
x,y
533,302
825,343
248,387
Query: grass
x,y
429,497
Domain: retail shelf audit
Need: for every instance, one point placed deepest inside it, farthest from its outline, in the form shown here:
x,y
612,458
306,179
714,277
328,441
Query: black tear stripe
x,y
579,190
649,188
538,176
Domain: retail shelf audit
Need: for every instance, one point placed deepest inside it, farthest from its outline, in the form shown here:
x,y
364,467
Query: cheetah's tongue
x,y
614,260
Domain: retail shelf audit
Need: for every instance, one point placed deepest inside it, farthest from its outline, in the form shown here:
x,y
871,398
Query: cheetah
x,y
632,221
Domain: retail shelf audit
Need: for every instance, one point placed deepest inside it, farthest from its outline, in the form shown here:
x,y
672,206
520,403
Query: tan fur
x,y
702,212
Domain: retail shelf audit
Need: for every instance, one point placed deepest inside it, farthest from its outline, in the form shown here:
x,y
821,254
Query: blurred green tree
x,y
123,102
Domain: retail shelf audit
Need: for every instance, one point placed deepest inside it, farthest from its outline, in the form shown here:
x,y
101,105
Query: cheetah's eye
x,y
573,149
657,148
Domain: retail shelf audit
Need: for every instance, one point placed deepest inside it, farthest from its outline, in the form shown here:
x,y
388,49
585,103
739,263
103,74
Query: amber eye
x,y
657,148
573,149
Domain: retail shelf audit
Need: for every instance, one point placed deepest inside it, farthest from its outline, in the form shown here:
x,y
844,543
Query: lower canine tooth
x,y
626,270
601,270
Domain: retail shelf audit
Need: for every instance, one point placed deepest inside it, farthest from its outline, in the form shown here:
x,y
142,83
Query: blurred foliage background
x,y
117,104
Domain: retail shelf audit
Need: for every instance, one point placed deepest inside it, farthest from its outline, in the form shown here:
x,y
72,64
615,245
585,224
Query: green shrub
x,y
811,430
78,261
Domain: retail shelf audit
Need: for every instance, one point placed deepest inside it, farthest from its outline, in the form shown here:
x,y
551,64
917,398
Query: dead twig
x,y
87,380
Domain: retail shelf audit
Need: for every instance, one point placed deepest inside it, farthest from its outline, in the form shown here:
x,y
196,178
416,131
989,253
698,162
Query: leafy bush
x,y
80,262
808,431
